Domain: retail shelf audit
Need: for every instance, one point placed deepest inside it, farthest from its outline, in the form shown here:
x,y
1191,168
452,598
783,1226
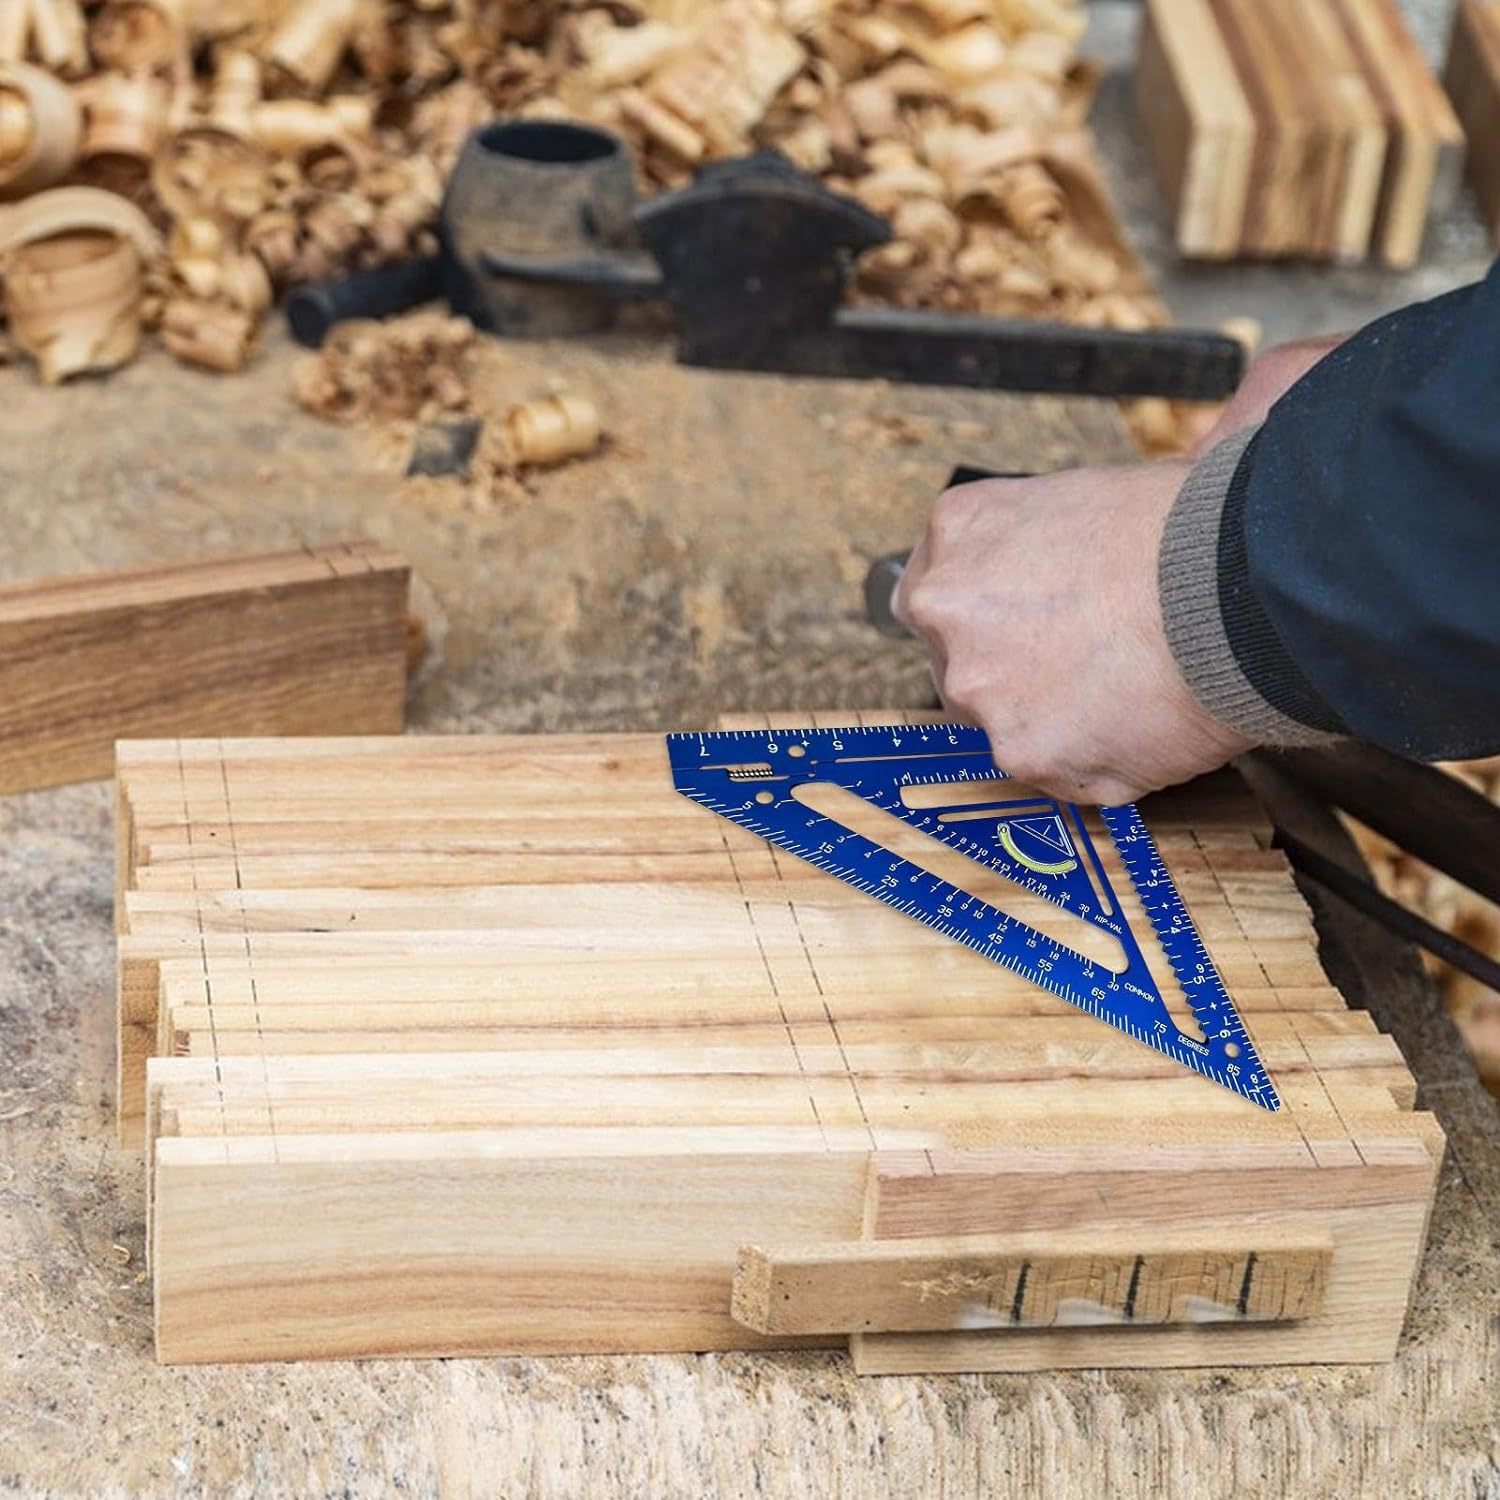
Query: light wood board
x,y
501,1044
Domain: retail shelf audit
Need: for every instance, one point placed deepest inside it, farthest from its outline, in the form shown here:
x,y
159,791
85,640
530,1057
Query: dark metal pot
x,y
540,189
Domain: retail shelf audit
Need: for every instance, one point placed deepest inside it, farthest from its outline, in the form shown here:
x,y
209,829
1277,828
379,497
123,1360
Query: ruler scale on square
x,y
752,776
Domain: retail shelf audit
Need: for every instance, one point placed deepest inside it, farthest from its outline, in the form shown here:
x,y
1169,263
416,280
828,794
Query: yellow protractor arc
x,y
1042,867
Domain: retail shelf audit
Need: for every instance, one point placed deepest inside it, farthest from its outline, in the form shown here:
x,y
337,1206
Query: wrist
x,y
1235,665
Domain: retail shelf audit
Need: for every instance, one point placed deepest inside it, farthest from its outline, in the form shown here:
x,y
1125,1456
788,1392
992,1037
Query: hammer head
x,y
754,251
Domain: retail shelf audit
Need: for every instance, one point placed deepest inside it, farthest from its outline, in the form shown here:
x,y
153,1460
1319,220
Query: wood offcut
x,y
1058,1280
306,641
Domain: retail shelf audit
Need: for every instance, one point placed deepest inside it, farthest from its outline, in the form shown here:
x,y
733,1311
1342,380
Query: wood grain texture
x,y
1352,191
1199,124
1473,82
311,641
1210,1274
1426,140
1294,128
367,986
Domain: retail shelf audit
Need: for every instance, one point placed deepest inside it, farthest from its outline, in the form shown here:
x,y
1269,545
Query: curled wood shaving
x,y
41,129
74,301
141,36
551,430
1474,1008
212,334
126,115
61,210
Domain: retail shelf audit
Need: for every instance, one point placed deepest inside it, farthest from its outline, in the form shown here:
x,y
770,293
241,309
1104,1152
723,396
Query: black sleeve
x,y
1359,549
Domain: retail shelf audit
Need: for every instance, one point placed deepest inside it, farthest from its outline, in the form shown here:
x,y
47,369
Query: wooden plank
x,y
1199,124
1284,201
1426,140
306,641
918,1195
271,972
1473,81
1233,1272
1374,1250
1354,191
357,1249
788,1079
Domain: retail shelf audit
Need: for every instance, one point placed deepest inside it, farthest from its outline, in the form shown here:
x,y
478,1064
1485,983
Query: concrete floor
x,y
1289,300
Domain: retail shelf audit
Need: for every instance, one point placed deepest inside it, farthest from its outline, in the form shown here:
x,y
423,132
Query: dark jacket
x,y
1338,570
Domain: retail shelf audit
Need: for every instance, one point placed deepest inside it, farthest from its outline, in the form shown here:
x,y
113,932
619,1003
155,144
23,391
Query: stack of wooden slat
x,y
1473,79
500,1044
1295,128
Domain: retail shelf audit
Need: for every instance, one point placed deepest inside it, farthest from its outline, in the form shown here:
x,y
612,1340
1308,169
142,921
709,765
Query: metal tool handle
x,y
620,273
1018,354
885,572
313,309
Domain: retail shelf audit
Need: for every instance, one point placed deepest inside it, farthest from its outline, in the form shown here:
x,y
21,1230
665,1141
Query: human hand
x,y
1038,601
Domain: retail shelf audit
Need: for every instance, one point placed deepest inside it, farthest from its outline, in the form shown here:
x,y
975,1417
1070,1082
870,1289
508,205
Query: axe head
x,y
753,252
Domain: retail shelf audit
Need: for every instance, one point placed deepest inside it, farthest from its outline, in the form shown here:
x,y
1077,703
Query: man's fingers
x,y
916,566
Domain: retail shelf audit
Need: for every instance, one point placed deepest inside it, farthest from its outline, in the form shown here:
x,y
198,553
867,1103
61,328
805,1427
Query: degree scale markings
x,y
749,777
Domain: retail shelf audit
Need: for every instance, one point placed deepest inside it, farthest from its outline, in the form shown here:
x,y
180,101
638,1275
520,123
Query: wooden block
x,y
311,641
587,1041
1209,1274
1473,80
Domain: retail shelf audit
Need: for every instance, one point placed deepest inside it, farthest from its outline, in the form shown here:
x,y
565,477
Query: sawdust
x,y
703,609
412,367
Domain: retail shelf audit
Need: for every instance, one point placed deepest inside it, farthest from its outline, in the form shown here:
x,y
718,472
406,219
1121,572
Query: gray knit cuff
x,y
1192,614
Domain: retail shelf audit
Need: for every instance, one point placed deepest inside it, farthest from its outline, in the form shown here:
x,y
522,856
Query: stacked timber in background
x,y
1295,128
487,1044
1473,79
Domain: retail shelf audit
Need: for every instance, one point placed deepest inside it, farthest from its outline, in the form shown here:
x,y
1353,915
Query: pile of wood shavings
x,y
412,368
419,371
277,141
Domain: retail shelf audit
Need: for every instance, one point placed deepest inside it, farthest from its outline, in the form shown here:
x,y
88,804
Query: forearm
x,y
1338,571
